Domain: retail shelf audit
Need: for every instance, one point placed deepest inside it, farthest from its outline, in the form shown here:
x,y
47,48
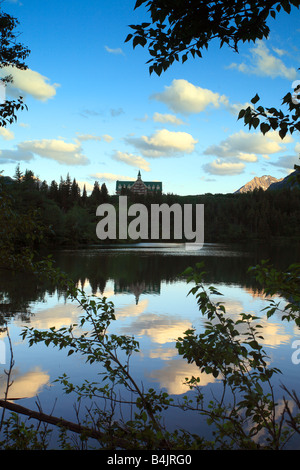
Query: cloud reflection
x,y
172,376
160,328
26,385
162,353
60,315
132,310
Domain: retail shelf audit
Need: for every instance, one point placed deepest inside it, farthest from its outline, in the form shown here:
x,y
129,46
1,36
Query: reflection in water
x,y
132,310
151,303
172,376
274,334
163,353
161,328
62,314
25,385
138,271
137,288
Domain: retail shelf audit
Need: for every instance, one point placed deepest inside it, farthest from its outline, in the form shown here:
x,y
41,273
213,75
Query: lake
x,y
151,303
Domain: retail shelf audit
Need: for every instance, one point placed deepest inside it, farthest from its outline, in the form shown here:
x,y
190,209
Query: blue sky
x,y
95,112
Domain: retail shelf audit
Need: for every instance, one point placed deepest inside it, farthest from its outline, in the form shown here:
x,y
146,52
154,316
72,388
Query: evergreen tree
x,y
75,192
18,174
104,192
44,187
84,196
53,191
29,181
96,196
64,193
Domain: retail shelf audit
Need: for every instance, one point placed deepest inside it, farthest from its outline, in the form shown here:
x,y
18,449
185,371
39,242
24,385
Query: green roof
x,y
126,184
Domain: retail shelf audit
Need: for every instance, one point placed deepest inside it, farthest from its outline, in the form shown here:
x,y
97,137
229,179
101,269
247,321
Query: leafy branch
x,y
182,28
231,351
269,119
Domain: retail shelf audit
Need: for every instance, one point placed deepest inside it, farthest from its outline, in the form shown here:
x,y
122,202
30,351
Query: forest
x,y
68,215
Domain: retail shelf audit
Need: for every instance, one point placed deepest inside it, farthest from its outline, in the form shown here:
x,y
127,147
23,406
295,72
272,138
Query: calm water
x,y
151,303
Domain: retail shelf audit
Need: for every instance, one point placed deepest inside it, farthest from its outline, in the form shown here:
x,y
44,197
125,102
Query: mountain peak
x,y
257,182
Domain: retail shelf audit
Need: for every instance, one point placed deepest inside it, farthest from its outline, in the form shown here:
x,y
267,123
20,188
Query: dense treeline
x,y
69,214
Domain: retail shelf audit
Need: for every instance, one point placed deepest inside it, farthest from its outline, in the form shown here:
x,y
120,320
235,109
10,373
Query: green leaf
x,y
142,41
282,133
184,58
128,37
255,99
264,127
139,3
241,113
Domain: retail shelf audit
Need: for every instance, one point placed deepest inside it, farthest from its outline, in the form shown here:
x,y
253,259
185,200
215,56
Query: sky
x,y
95,112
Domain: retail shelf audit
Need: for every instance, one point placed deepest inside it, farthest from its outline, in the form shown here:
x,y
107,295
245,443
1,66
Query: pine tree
x,y
53,191
64,193
75,192
18,174
104,192
84,196
44,187
96,196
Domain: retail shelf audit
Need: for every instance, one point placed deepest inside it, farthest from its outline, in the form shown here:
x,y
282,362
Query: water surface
x,y
151,303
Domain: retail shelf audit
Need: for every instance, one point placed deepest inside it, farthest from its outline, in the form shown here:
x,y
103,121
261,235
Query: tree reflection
x,y
137,271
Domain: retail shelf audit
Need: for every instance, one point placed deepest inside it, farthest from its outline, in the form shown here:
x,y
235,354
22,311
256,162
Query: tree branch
x,y
69,425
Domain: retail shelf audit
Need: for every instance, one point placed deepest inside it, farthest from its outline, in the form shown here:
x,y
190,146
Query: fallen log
x,y
68,425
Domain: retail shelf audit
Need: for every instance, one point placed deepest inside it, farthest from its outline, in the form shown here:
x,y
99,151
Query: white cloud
x,y
234,108
88,186
278,51
29,82
6,133
9,156
167,118
184,97
84,137
247,157
133,160
264,63
112,177
218,167
287,162
242,143
164,143
117,51
241,148
107,138
58,150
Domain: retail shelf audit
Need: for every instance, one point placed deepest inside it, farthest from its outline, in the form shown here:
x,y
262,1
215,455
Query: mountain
x,y
263,182
291,181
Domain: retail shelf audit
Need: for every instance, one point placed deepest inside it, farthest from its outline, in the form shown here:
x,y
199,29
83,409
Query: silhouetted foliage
x,y
12,53
182,28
